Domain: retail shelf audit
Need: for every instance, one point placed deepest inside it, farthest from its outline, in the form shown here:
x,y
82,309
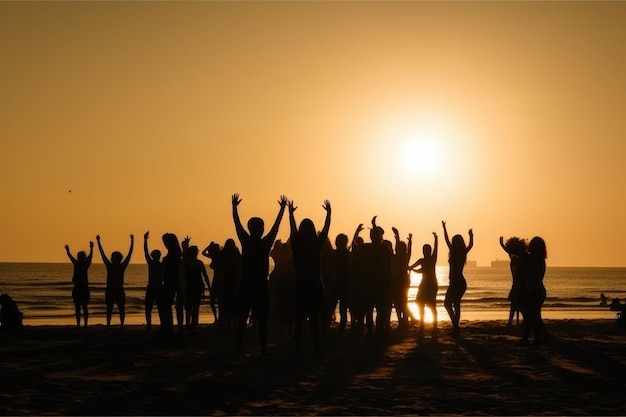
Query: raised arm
x,y
435,250
104,257
69,255
409,246
445,234
292,219
146,253
130,251
503,245
358,230
326,228
241,232
274,230
396,234
90,256
471,240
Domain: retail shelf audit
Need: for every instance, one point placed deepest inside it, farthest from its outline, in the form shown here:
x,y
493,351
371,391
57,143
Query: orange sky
x,y
154,113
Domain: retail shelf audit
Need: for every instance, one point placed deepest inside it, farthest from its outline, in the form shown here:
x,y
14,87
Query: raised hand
x,y
283,201
132,237
410,236
326,205
395,231
471,232
443,223
67,248
98,238
236,200
292,208
146,235
91,244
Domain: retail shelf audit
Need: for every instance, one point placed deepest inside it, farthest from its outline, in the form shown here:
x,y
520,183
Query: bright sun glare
x,y
420,155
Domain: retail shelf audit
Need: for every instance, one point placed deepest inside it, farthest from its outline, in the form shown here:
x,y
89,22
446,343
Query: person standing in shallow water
x,y
80,293
515,247
458,284
428,286
255,254
534,270
114,293
155,279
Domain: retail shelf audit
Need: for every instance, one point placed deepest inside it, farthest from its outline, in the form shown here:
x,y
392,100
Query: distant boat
x,y
471,264
500,263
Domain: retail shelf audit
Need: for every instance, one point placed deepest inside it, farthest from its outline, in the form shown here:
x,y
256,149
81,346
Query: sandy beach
x,y
62,370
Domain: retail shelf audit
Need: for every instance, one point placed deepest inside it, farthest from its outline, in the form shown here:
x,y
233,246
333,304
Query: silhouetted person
x,y
458,285
603,301
80,278
10,315
306,248
516,249
327,315
172,287
341,270
155,279
231,262
255,252
358,286
428,286
216,295
534,291
282,286
196,276
616,305
375,270
114,293
401,279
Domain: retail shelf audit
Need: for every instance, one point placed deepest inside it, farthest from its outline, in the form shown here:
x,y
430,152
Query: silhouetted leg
x,y
85,314
148,306
77,313
122,308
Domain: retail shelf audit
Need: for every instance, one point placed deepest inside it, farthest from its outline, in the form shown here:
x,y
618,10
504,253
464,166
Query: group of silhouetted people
x,y
310,279
528,293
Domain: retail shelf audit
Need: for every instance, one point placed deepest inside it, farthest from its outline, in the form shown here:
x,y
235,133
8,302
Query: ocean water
x,y
43,292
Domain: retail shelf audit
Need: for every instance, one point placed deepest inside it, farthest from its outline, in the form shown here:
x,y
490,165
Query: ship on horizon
x,y
500,263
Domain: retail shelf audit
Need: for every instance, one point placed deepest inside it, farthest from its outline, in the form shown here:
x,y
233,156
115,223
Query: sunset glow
x,y
505,117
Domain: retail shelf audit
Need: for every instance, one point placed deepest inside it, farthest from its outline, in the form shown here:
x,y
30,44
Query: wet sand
x,y
68,371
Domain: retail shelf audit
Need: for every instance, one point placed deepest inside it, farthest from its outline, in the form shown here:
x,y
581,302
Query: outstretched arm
x,y
445,234
435,246
416,264
104,257
241,232
326,228
274,230
471,240
69,255
130,250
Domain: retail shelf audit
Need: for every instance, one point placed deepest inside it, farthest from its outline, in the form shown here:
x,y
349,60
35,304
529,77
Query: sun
x,y
420,155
